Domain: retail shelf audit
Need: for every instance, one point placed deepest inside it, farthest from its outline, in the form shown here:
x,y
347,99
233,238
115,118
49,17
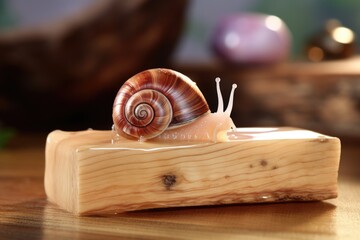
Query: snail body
x,y
212,127
163,104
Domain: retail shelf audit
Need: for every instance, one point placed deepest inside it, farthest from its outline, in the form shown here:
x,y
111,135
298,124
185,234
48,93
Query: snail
x,y
163,104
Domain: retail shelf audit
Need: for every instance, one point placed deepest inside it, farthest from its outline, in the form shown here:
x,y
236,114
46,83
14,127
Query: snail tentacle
x,y
219,95
220,98
231,100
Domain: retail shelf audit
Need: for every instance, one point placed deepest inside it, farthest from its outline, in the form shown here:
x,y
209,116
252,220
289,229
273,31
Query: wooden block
x,y
88,174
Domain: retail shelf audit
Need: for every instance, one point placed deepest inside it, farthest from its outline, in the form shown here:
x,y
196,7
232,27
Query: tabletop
x,y
26,214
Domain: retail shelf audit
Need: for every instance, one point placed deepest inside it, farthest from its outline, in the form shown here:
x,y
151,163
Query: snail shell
x,y
155,100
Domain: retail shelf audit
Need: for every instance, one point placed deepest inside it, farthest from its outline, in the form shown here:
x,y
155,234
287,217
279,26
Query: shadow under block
x,y
87,174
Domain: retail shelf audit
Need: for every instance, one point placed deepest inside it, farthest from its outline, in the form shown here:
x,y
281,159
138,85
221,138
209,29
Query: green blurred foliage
x,y
5,136
6,19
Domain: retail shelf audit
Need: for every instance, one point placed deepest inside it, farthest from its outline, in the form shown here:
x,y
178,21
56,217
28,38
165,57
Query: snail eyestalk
x,y
231,100
220,98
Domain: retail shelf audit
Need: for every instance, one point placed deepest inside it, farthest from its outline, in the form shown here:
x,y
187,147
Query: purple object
x,y
252,38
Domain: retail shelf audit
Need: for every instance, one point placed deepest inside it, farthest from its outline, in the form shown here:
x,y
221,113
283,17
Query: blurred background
x,y
296,64
304,18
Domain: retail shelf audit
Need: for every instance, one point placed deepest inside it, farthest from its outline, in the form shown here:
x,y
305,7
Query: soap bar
x,y
88,173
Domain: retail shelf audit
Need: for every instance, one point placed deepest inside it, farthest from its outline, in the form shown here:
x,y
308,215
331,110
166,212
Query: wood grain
x,y
26,214
86,173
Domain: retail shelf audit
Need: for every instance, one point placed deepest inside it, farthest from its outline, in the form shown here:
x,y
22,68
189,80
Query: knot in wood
x,y
169,180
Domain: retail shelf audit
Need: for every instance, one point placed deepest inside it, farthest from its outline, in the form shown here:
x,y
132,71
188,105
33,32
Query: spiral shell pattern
x,y
155,100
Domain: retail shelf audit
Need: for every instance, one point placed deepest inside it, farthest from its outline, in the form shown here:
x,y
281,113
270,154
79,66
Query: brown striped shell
x,y
155,100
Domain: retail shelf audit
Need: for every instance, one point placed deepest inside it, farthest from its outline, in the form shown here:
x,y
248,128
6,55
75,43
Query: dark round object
x,y
333,42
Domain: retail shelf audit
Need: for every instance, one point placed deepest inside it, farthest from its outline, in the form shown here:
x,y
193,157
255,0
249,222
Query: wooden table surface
x,y
26,214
